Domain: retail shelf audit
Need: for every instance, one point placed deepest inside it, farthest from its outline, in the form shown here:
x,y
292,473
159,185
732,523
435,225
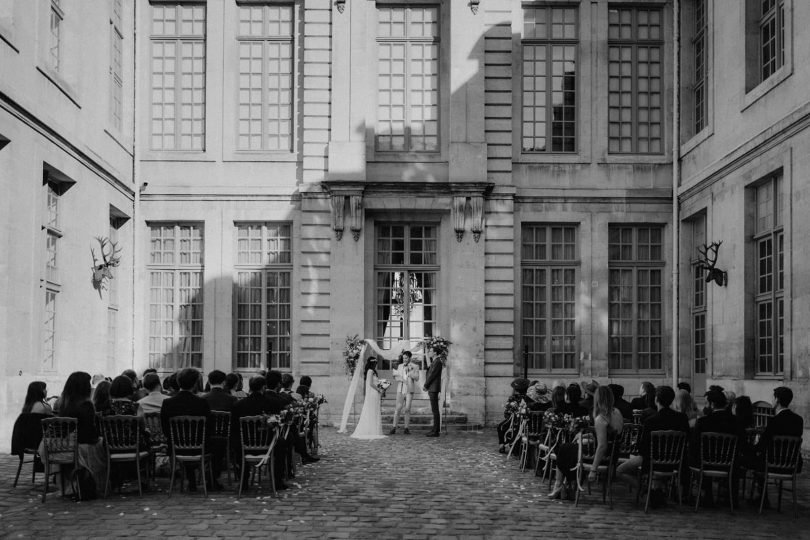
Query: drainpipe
x,y
136,185
676,173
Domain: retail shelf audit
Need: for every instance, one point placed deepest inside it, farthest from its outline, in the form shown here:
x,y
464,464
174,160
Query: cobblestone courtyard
x,y
401,487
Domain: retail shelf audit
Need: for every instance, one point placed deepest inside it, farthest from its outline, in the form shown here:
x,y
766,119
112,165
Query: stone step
x,y
419,419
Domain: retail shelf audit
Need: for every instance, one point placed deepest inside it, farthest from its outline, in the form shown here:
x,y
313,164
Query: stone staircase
x,y
421,417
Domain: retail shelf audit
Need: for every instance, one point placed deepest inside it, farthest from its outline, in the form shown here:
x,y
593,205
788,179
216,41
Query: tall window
x,y
112,299
53,235
263,278
635,267
769,240
116,64
771,36
408,79
698,226
635,56
57,15
549,275
407,271
550,43
175,296
265,77
700,57
178,77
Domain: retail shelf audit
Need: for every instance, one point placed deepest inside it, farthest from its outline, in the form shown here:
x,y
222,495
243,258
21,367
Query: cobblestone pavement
x,y
457,486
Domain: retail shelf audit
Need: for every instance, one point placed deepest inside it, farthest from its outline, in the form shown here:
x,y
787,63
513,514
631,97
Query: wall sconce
x,y
708,262
338,202
340,5
356,215
477,216
474,6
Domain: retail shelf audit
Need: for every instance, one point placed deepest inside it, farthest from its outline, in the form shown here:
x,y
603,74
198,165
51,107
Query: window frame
x,y
550,42
176,267
56,18
698,294
755,86
116,76
549,264
635,265
262,268
635,44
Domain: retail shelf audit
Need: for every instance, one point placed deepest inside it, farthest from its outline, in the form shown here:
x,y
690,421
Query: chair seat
x,y
254,458
186,457
128,456
711,473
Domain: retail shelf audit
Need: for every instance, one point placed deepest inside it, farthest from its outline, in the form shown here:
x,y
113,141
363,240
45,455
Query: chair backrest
x,y
256,434
717,450
762,413
588,443
637,416
155,428
666,447
534,424
122,433
783,453
187,432
221,428
59,436
628,441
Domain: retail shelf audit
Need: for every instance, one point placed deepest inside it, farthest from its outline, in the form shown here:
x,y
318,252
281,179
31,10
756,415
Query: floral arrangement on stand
x,y
292,412
515,405
575,424
351,353
554,420
438,345
272,420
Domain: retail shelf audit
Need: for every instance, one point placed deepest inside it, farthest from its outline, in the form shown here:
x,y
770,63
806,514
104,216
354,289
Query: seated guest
x,y
685,404
97,378
121,393
256,403
170,386
620,403
684,386
304,386
35,399
730,398
102,400
743,411
587,402
137,390
233,384
539,394
573,395
663,419
287,381
646,397
185,403
784,422
218,398
558,399
153,401
608,423
279,400
75,403
505,436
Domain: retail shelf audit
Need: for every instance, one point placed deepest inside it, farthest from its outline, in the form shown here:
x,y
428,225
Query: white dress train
x,y
370,424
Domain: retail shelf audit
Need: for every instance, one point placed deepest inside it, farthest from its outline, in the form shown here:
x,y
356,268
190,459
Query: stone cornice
x,y
81,155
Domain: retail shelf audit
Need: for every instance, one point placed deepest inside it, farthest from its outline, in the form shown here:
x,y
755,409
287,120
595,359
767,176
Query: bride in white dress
x,y
370,424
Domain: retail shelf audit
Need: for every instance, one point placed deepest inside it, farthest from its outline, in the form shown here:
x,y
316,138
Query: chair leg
x,y
730,490
779,498
138,473
171,480
47,479
19,468
699,487
272,472
795,502
107,481
764,491
202,476
649,490
241,478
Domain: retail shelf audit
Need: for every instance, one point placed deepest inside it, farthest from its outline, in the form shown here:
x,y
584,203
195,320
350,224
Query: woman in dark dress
x,y
121,392
75,403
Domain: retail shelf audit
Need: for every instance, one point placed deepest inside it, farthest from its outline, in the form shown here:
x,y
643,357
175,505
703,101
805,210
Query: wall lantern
x,y
708,262
474,6
340,5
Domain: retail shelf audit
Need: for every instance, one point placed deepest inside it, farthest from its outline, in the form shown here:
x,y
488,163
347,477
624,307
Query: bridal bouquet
x,y
383,384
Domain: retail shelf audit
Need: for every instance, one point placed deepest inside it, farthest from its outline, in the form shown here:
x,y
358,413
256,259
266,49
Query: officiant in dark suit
x,y
433,386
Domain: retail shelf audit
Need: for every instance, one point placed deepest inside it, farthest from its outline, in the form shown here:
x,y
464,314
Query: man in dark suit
x,y
433,386
185,403
783,422
620,403
664,419
218,398
255,404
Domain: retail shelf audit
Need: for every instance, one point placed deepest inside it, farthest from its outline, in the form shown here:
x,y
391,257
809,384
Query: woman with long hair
x,y
101,398
608,423
685,404
35,399
76,403
646,398
558,399
369,426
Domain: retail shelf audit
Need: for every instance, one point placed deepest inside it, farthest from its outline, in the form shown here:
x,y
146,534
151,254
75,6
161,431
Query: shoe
x,y
407,431
502,449
556,493
394,431
432,434
309,459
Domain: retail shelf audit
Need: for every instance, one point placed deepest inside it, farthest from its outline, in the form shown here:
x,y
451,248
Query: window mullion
x,y
178,92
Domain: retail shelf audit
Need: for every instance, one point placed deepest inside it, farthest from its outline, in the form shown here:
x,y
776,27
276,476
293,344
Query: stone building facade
x,y
290,173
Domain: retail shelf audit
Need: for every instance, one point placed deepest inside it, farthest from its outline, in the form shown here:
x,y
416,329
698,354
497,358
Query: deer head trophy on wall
x,y
110,258
708,262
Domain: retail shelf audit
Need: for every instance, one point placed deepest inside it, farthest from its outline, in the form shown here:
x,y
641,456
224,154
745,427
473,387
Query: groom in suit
x,y
406,376
433,386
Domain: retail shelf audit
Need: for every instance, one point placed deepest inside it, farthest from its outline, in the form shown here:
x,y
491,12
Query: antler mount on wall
x,y
708,262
